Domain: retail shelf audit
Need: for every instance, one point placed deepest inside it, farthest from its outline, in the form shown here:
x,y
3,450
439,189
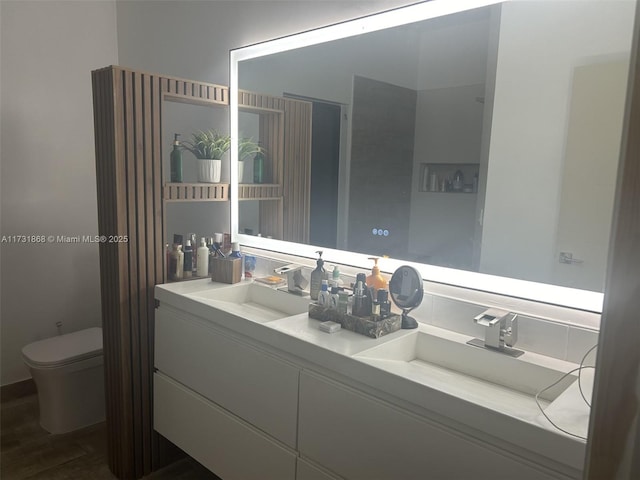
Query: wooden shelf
x,y
262,191
196,192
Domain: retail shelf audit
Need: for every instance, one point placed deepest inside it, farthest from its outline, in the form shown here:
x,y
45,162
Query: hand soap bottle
x,y
176,160
375,281
316,277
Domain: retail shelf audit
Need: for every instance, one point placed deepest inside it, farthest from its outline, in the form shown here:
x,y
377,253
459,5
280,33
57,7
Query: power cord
x,y
579,370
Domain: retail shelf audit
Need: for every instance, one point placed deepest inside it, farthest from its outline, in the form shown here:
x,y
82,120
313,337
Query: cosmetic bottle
x,y
383,301
235,253
188,260
368,296
194,257
375,281
334,298
361,304
323,296
335,276
343,301
203,259
176,160
176,263
316,277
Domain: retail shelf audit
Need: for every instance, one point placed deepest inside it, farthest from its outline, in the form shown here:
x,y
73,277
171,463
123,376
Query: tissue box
x,y
364,326
225,270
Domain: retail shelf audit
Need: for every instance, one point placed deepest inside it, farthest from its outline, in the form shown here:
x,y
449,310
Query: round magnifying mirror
x,y
405,288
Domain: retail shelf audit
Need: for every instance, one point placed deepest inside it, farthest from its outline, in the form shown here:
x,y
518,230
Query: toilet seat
x,y
64,349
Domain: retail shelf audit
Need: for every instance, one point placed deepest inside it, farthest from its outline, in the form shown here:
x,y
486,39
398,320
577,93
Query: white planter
x,y
209,171
240,171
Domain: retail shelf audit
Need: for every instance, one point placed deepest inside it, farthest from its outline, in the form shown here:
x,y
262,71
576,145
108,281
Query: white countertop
x,y
506,418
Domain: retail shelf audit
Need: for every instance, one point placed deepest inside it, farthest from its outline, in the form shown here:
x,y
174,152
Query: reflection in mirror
x,y
485,140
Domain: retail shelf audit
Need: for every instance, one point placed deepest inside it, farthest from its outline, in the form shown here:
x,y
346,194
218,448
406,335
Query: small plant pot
x,y
240,171
209,171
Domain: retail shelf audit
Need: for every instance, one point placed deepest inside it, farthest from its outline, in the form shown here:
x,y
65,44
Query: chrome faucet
x,y
296,283
501,332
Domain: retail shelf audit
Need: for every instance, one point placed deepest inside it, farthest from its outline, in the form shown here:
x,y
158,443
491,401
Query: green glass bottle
x,y
176,161
258,168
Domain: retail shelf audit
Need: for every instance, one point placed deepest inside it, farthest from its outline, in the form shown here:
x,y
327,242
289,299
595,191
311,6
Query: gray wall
x,y
383,125
48,168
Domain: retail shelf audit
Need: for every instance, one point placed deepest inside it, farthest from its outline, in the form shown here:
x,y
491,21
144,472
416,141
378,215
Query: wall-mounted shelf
x,y
262,191
196,192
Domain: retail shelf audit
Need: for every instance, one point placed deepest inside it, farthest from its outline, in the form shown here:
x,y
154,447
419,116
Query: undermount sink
x,y
254,302
480,375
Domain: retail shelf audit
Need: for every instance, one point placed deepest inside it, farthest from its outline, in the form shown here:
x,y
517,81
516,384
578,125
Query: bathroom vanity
x,y
247,384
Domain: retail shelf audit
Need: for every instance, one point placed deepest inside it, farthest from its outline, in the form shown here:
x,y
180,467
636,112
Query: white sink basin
x,y
476,374
254,302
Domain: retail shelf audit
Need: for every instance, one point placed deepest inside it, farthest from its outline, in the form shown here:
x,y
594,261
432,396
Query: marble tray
x,y
362,325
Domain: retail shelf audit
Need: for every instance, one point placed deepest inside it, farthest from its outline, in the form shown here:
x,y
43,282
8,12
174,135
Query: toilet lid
x,y
64,349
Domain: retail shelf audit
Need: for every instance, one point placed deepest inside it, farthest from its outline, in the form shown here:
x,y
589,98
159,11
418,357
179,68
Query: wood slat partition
x,y
297,170
127,121
188,192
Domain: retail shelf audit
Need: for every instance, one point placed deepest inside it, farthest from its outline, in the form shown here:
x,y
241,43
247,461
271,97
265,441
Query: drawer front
x,y
363,438
222,443
250,383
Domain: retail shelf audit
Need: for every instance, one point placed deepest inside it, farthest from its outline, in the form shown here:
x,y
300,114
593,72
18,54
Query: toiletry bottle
x,y
203,259
176,160
334,298
368,296
194,256
316,277
176,263
359,300
384,303
335,276
343,301
188,260
375,281
323,296
235,253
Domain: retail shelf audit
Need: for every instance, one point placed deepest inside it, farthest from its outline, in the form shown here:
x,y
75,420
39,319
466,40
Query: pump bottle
x,y
203,259
316,277
375,281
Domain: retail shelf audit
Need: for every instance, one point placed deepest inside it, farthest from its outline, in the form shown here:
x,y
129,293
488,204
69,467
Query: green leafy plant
x,y
247,147
208,145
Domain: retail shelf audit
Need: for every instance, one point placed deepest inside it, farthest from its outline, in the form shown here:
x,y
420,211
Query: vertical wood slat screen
x,y
127,121
297,170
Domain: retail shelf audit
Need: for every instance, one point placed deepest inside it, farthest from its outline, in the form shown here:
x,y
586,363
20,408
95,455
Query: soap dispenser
x,y
176,160
375,281
316,277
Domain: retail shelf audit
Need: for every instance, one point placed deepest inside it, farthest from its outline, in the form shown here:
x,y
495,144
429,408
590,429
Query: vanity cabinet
x,y
249,383
220,441
361,437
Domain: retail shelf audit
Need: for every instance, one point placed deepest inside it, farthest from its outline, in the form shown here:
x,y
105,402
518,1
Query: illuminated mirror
x,y
476,141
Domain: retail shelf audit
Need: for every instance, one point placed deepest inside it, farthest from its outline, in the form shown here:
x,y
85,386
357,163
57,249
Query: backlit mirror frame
x,y
546,293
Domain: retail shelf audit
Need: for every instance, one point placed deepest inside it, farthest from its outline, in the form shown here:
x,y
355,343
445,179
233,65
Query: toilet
x,y
69,375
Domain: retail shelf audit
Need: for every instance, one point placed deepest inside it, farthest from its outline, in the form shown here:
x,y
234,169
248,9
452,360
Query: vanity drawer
x,y
250,383
364,438
222,443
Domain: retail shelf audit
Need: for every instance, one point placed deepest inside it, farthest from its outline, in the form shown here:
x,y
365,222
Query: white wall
x,y
48,184
530,123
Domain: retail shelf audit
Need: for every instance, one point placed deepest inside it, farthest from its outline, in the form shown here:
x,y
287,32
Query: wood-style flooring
x,y
29,452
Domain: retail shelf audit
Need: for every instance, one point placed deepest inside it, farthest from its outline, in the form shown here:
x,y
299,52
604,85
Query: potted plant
x,y
208,147
247,148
